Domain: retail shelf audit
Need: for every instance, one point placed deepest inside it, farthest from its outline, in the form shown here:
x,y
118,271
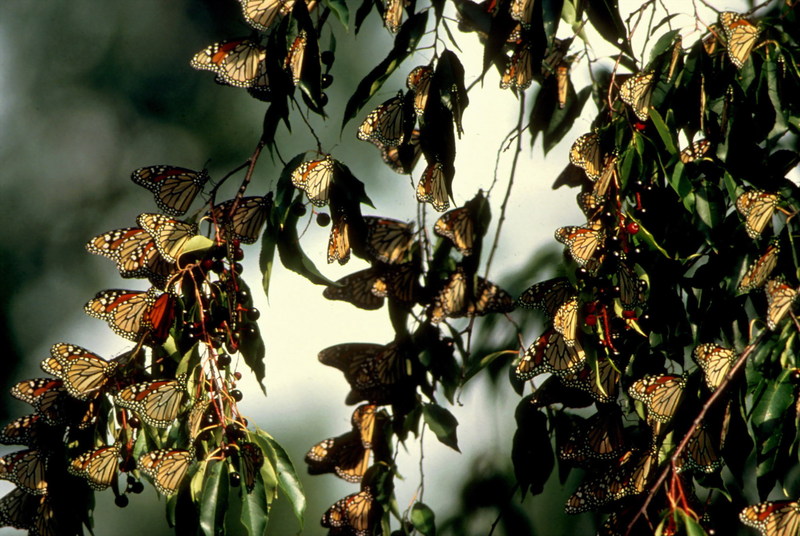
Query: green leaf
x,y
449,78
266,257
423,519
663,130
442,423
255,509
196,244
214,500
293,257
251,346
287,476
531,451
551,15
604,16
484,362
405,42
340,11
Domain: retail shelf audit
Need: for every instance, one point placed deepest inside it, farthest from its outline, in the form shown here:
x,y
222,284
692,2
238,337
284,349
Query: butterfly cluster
x,y
93,418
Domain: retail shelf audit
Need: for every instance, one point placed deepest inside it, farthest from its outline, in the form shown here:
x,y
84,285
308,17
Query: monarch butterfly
x,y
760,270
345,455
455,300
372,370
157,402
585,153
83,372
695,151
400,281
357,288
402,158
314,178
555,56
25,430
741,36
260,14
21,510
98,466
631,288
166,468
562,83
629,477
432,187
135,254
388,240
780,298
130,313
547,295
47,395
369,422
25,468
419,81
519,69
522,10
170,236
194,420
393,14
339,240
251,458
247,220
294,59
550,353
385,124
174,187
590,204
601,437
636,92
661,395
237,62
757,207
565,321
773,518
600,380
677,52
581,241
607,176
702,452
354,514
459,227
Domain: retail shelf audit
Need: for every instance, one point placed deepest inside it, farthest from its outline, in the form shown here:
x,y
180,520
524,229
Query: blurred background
x,y
91,90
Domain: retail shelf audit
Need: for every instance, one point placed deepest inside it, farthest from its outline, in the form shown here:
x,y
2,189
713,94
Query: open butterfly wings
x,y
174,187
550,353
388,240
344,456
355,514
455,300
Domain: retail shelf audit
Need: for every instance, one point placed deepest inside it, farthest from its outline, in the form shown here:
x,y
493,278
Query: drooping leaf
x,y
214,501
423,519
442,423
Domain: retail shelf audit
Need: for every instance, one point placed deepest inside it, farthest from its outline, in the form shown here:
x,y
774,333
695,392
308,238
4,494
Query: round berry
x,y
121,501
126,465
591,319
237,375
323,219
207,264
632,227
131,479
238,254
323,99
223,360
235,480
237,395
327,57
137,487
298,209
238,268
242,296
253,314
232,431
218,266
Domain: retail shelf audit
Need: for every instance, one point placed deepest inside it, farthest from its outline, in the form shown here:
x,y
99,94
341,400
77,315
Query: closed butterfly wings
x,y
780,298
741,36
131,314
757,207
582,241
457,226
26,469
174,187
357,288
375,372
355,515
344,455
662,395
246,221
636,92
314,177
157,402
134,252
550,354
715,361
84,373
388,240
169,235
238,63
586,154
758,273
166,468
385,125
773,518
98,466
432,187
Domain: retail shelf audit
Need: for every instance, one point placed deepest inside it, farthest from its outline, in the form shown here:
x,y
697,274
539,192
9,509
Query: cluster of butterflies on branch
x,y
95,418
601,342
